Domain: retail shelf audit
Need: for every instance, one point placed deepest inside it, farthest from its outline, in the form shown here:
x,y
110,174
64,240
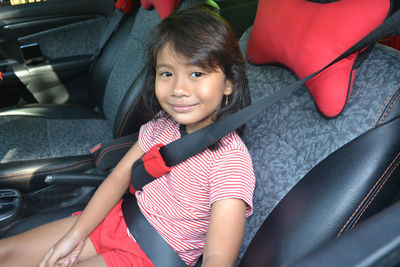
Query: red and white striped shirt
x,y
178,204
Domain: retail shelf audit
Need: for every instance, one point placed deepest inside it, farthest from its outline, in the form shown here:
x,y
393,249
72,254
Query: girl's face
x,y
191,95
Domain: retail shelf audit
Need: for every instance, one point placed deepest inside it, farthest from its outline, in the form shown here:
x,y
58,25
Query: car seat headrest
x,y
305,36
163,7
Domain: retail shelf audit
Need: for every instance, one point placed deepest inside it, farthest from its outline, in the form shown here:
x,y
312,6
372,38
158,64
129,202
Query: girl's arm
x,y
105,198
225,232
108,194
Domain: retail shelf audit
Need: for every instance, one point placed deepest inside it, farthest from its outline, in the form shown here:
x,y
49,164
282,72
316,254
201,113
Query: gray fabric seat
x,y
291,137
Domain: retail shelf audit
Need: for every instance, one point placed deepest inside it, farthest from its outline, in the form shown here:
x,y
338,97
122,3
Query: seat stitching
x,y
111,148
48,169
116,145
387,112
125,119
370,191
375,194
121,122
383,105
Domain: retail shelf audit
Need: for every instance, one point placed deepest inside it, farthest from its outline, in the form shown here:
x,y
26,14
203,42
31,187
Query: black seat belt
x,y
191,144
149,240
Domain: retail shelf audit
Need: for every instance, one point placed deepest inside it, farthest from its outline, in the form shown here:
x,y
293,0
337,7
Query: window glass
x,y
18,2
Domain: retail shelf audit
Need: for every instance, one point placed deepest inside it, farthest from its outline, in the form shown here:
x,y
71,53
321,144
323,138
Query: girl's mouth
x,y
183,108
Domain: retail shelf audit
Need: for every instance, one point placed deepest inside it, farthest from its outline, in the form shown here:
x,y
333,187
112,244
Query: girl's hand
x,y
64,253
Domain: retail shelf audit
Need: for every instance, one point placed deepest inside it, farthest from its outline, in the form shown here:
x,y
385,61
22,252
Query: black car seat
x,y
40,139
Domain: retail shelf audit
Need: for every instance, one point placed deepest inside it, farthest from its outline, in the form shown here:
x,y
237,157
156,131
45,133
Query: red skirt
x,y
113,241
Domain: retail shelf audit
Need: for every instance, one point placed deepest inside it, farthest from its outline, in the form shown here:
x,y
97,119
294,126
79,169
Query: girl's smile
x,y
182,108
190,94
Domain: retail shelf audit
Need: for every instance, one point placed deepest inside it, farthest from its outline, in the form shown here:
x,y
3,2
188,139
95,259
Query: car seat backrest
x,y
127,62
290,138
104,63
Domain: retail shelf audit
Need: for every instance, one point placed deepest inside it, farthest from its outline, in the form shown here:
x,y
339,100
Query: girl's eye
x,y
196,74
166,74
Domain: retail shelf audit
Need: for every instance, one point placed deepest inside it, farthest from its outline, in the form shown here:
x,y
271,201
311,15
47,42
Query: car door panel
x,y
66,34
56,9
78,38
62,81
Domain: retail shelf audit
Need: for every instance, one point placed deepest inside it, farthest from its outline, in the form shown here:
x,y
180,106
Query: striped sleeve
x,y
232,176
146,134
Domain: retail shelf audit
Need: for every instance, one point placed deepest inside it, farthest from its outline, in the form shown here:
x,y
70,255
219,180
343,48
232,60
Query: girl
x,y
196,76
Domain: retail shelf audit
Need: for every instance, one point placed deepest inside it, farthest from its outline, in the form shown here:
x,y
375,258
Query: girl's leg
x,y
27,249
97,261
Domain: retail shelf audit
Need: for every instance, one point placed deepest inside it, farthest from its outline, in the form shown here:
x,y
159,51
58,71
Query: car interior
x,y
325,156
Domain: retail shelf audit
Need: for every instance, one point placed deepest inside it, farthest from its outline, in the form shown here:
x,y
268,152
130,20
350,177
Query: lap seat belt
x,y
160,159
155,247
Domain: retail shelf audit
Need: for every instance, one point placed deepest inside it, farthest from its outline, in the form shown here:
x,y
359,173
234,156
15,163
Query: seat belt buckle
x,y
154,163
124,5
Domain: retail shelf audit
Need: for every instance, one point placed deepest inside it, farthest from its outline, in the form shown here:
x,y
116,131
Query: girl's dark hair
x,y
207,40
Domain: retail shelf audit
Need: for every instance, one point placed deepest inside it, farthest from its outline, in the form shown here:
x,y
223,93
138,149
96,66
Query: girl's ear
x,y
228,87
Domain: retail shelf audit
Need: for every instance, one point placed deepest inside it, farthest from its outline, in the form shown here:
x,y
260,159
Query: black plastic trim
x,y
52,111
59,8
29,175
39,219
34,25
77,179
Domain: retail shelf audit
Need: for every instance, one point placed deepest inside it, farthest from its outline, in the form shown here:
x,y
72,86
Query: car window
x,y
18,2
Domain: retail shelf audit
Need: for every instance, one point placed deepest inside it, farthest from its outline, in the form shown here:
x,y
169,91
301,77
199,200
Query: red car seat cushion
x,y
163,7
305,36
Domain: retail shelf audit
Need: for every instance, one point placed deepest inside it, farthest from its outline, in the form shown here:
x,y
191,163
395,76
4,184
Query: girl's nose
x,y
180,88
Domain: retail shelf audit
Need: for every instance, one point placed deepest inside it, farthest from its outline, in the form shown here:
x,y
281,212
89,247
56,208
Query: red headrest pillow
x,y
306,36
163,7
